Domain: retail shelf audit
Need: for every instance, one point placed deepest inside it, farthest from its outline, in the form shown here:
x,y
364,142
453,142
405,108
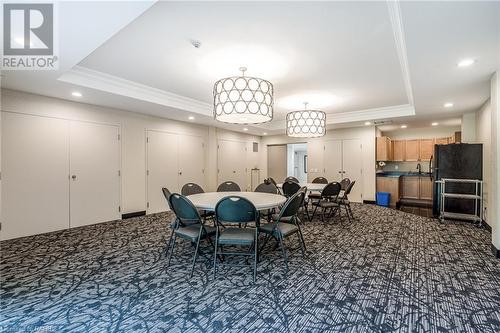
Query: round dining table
x,y
314,187
261,201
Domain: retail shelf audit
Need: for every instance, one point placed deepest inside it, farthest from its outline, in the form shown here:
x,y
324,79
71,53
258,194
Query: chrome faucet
x,y
419,168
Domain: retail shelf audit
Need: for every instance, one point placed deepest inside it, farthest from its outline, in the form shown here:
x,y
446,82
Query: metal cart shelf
x,y
477,197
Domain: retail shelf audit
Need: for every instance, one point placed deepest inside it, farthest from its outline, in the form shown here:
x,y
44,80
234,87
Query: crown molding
x,y
93,79
399,40
388,112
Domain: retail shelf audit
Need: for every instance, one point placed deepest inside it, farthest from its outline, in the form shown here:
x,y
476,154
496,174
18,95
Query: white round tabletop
x,y
208,200
310,186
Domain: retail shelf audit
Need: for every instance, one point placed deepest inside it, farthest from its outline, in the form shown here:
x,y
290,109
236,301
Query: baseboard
x,y
133,214
371,202
496,252
486,226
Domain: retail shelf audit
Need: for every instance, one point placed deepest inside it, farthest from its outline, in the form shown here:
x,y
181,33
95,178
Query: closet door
x,y
353,165
94,173
35,193
333,160
232,162
277,162
162,169
191,160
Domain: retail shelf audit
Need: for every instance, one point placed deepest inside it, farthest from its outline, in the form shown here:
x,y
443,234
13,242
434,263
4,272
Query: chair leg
x,y
302,242
215,250
314,213
195,254
167,250
256,255
283,251
172,249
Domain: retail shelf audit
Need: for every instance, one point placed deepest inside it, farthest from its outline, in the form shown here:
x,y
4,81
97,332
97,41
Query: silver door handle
x,y
180,172
73,177
234,171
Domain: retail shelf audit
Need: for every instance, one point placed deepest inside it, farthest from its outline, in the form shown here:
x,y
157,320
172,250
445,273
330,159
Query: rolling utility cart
x,y
474,198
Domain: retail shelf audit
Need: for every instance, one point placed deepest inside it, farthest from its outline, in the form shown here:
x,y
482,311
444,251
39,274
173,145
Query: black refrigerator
x,y
456,161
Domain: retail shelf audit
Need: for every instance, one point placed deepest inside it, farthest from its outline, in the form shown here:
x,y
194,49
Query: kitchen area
x,y
404,167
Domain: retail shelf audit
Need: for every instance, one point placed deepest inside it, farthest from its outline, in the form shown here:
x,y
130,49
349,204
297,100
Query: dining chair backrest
x,y
320,180
349,187
271,180
191,188
331,190
290,188
229,187
292,205
291,179
167,194
236,209
184,209
344,183
267,188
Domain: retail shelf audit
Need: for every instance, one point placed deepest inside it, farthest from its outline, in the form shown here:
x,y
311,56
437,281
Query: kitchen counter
x,y
397,174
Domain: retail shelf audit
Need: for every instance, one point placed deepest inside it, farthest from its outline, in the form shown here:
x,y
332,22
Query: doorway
x,y
297,161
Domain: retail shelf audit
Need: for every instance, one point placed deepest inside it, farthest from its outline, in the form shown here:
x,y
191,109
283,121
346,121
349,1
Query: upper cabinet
x,y
426,149
384,149
442,141
412,151
398,150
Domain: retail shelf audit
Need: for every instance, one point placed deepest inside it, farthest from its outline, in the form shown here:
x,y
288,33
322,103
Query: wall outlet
x,y
396,167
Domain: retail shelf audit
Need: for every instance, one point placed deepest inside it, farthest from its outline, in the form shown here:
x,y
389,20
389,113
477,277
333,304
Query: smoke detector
x,y
196,43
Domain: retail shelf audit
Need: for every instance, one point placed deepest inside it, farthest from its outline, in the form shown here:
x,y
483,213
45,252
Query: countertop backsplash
x,y
404,166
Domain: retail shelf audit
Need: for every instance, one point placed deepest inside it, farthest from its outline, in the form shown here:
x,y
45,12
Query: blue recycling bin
x,y
383,199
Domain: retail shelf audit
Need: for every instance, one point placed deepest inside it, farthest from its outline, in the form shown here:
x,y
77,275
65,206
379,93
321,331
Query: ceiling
x,y
357,61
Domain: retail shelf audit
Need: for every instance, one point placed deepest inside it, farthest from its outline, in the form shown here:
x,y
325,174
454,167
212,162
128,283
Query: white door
x,y
162,169
352,166
94,173
277,162
333,160
35,193
232,162
191,160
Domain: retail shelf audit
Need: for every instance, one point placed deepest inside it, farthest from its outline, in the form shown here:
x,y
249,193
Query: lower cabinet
x,y
390,185
416,187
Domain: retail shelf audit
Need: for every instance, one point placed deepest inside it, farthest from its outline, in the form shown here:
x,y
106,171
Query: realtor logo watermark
x,y
29,37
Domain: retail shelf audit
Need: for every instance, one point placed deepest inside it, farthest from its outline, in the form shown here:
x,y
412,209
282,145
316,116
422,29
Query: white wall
x,y
494,207
133,127
315,148
483,135
469,127
423,132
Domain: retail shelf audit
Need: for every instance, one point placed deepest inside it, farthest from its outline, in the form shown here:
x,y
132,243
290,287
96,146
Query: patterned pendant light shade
x,y
306,123
243,100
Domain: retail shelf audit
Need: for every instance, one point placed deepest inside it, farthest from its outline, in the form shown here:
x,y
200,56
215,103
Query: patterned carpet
x,y
387,272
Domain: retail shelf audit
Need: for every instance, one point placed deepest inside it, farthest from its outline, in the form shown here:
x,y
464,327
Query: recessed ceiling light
x,y
466,62
265,133
245,129
191,118
435,124
448,105
76,94
404,126
367,123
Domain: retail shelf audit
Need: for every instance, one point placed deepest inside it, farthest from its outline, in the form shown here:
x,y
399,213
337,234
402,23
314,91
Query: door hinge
x,y
119,173
324,147
147,139
118,136
218,170
147,205
218,146
119,208
202,170
147,172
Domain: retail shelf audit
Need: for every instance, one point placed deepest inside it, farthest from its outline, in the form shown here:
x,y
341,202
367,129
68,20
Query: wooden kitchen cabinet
x,y
426,149
410,187
390,185
411,150
398,150
425,187
384,149
442,141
